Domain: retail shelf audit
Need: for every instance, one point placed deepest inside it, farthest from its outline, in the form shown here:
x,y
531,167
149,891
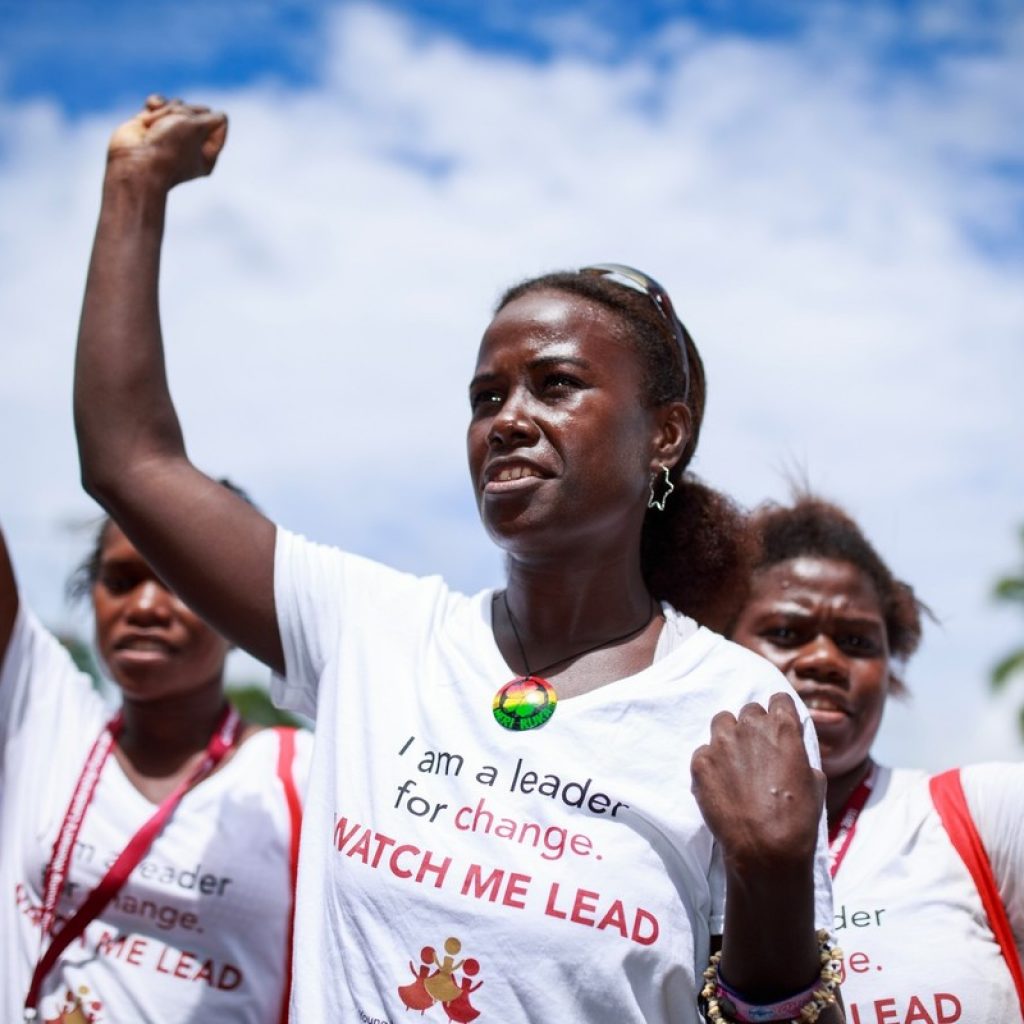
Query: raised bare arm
x,y
215,550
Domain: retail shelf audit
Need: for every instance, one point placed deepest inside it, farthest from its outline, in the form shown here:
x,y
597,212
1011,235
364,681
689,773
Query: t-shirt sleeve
x,y
308,595
303,757
995,795
823,910
324,598
41,691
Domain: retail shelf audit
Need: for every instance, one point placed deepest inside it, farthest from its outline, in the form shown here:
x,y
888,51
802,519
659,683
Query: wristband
x,y
764,1013
803,1008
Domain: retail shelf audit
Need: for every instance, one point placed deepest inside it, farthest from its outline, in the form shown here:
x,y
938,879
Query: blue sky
x,y
833,193
92,55
95,55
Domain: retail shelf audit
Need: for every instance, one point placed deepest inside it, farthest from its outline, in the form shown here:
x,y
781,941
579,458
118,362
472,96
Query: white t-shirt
x,y
198,932
918,946
454,867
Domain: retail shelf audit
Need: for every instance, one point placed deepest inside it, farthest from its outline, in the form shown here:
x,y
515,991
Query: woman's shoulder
x,y
50,710
38,667
31,640
326,568
994,792
994,776
267,744
735,670
991,789
702,666
269,762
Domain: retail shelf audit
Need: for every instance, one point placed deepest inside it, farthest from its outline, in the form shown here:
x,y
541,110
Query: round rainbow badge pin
x,y
524,703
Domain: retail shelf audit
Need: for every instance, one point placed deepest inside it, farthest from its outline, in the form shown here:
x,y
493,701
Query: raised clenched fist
x,y
169,142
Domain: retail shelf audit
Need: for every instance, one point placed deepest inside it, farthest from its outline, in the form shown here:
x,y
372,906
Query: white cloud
x,y
816,214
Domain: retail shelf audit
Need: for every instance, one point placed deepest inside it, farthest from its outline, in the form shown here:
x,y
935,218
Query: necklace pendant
x,y
526,702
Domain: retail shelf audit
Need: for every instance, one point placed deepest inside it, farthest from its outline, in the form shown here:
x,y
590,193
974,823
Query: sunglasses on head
x,y
630,277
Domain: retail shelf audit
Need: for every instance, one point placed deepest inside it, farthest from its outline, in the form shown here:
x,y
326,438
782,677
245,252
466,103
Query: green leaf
x,y
1006,667
1009,588
82,656
254,704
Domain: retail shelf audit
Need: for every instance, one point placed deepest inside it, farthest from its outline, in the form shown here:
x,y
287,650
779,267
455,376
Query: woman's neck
x,y
842,787
159,736
585,626
553,601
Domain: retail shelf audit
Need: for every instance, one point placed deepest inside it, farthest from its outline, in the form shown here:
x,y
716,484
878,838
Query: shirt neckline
x,y
672,663
208,785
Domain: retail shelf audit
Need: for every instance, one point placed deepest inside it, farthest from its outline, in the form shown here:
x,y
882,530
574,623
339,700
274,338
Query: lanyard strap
x,y
840,835
60,859
225,736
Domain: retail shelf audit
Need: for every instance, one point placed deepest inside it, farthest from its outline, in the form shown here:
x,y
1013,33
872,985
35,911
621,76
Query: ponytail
x,y
698,553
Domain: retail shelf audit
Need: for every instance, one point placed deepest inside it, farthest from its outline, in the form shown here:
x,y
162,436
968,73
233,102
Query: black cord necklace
x,y
529,701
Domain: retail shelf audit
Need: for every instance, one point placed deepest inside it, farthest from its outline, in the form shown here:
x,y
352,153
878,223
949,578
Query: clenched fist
x,y
754,785
168,142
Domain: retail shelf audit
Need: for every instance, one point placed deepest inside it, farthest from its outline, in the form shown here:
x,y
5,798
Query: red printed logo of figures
x,y
435,982
77,1008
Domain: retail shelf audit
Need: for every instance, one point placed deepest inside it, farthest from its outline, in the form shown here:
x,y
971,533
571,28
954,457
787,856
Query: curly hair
x,y
695,554
819,528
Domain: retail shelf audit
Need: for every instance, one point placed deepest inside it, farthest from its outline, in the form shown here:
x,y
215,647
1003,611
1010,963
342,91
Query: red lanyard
x,y
840,835
225,736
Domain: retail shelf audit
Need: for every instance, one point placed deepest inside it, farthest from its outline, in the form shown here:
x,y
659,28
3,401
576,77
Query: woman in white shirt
x,y
147,852
826,610
523,805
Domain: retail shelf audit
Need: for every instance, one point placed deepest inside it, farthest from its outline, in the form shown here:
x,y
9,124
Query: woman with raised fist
x,y
459,738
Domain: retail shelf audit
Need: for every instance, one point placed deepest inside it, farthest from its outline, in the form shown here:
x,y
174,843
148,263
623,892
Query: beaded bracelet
x,y
807,1006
